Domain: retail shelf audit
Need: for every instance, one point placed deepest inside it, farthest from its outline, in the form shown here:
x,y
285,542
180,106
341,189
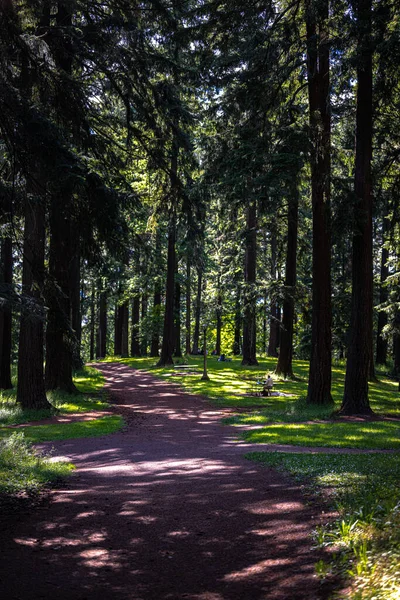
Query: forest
x,y
180,171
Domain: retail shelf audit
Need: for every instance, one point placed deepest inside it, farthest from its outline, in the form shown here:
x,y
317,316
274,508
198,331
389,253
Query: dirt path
x,y
168,509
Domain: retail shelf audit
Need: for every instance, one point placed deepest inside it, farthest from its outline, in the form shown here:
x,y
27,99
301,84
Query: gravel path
x,y
167,509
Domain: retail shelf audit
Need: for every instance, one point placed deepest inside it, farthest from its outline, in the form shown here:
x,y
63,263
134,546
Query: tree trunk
x,y
75,293
60,339
135,339
30,388
284,366
155,338
219,323
319,382
381,342
273,341
102,329
125,330
143,341
6,316
197,312
355,400
238,324
92,323
167,347
118,330
188,307
249,321
177,318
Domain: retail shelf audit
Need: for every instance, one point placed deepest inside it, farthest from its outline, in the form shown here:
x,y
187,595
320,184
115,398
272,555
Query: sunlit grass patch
x,y
374,435
365,538
88,380
23,469
64,431
287,412
231,384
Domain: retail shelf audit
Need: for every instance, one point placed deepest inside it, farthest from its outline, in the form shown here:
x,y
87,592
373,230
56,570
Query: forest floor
x,y
166,509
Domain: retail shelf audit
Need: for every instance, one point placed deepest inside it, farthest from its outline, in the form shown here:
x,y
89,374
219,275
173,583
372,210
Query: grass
x,y
230,383
63,431
364,541
90,383
23,469
333,434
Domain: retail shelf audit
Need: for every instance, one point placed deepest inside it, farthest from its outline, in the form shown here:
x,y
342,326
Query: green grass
x,y
89,382
333,434
64,431
364,541
230,382
23,469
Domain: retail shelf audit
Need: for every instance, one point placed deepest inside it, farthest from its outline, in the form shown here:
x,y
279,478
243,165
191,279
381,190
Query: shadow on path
x,y
168,509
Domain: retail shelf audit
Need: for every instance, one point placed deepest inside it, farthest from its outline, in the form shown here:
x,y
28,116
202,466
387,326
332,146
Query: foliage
x,y
364,540
23,469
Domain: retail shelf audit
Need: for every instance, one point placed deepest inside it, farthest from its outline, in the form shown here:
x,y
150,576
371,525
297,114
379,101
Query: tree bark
x,y
249,321
219,322
135,339
273,340
319,381
92,323
359,357
284,366
177,318
143,340
75,294
118,330
155,338
125,330
31,391
102,328
167,347
6,316
156,311
188,307
381,342
238,324
60,339
197,312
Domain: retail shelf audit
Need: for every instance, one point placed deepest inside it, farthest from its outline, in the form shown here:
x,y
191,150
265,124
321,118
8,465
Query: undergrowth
x,y
24,469
364,541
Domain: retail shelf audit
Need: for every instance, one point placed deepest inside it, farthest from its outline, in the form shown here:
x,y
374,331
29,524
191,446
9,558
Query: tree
x,y
359,357
319,381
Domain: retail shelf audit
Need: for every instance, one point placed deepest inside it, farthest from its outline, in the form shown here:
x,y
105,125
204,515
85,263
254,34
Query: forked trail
x,y
167,509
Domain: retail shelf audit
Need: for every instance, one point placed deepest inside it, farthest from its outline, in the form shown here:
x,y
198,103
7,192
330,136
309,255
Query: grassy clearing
x,y
64,431
230,384
89,381
365,539
333,434
23,469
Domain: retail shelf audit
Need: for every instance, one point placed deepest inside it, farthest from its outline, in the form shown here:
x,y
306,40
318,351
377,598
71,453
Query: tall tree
x,y
319,381
284,366
6,314
359,356
249,320
31,389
